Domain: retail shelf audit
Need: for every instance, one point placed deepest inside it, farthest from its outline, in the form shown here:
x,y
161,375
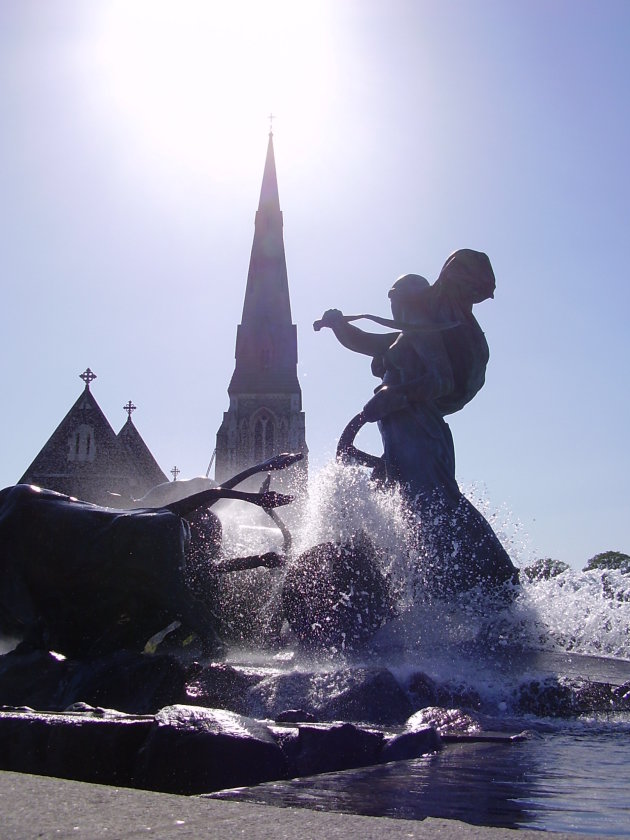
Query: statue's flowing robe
x,y
418,445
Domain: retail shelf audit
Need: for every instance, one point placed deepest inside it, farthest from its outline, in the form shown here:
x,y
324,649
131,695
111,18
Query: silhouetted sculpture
x,y
335,596
86,580
431,366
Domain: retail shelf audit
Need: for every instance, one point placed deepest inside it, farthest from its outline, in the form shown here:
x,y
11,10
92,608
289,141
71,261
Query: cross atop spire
x,y
87,376
129,408
271,119
175,472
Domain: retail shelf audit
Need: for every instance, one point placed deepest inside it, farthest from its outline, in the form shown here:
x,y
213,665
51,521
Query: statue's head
x,y
408,292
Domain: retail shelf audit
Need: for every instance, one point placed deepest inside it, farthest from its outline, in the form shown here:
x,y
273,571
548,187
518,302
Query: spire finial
x,y
129,408
175,472
271,119
87,376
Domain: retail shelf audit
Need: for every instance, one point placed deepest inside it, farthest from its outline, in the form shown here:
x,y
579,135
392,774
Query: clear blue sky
x,y
131,157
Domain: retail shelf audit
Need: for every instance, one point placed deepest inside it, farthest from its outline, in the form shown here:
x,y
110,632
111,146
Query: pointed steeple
x,y
140,454
265,416
266,340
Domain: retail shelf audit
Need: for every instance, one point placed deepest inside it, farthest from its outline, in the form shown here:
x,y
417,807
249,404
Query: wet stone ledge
x,y
191,749
142,684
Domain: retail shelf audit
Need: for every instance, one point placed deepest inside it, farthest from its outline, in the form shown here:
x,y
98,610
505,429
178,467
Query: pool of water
x,y
571,774
573,780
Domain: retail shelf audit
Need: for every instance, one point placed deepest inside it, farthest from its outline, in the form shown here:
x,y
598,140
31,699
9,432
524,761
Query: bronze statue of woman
x,y
430,366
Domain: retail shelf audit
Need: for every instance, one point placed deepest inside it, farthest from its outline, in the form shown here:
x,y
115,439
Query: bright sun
x,y
192,82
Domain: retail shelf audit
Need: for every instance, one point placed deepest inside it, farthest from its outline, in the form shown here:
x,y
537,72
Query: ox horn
x,y
269,499
278,462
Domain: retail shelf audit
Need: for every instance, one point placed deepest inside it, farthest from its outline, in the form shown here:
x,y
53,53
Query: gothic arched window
x,y
283,442
243,434
82,444
264,438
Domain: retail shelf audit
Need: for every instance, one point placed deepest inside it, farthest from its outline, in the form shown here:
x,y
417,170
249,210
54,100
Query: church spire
x,y
266,340
265,416
267,291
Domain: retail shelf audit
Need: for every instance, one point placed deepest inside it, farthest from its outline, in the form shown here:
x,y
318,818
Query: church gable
x,y
146,465
85,458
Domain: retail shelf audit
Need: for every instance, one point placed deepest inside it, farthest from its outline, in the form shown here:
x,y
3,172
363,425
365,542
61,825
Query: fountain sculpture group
x,y
98,585
87,580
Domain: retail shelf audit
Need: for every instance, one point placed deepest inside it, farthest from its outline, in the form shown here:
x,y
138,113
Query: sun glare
x,y
192,82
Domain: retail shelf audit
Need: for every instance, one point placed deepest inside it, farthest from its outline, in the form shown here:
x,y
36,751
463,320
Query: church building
x,y
265,414
85,458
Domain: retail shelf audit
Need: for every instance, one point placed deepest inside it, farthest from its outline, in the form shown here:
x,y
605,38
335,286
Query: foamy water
x,y
579,612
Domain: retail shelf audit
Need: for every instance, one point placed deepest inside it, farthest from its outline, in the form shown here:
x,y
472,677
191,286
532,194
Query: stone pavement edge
x,y
46,807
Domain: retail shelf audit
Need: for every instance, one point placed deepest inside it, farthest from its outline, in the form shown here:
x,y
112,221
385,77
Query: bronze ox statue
x,y
86,580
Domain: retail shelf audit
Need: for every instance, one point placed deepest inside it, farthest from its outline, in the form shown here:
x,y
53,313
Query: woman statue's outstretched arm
x,y
355,339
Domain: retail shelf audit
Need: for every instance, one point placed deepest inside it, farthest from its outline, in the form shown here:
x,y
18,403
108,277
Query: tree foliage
x,y
609,560
545,568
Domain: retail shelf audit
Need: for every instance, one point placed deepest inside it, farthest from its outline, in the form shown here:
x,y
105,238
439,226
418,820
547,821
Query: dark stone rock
x,y
558,697
296,716
335,596
593,696
422,690
194,750
547,698
370,695
544,698
183,749
457,695
410,745
287,738
128,681
326,749
220,686
444,721
274,694
90,748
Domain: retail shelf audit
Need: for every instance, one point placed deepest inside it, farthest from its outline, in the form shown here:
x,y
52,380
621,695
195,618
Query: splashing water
x,y
579,612
342,503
